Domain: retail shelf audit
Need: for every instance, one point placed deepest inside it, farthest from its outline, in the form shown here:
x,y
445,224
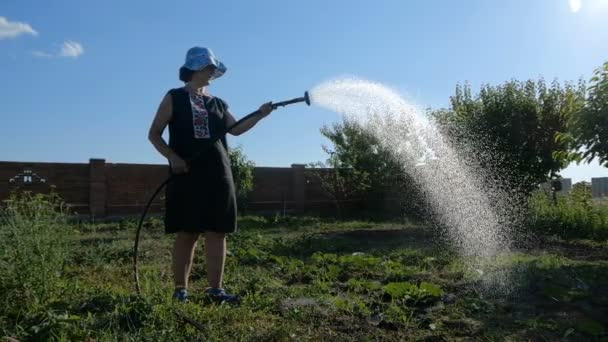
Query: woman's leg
x,y
183,254
215,248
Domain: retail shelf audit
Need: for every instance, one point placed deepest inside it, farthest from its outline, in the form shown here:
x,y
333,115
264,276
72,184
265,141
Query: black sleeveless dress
x,y
204,198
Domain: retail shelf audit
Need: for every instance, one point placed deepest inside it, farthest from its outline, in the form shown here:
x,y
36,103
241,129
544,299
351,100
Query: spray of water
x,y
457,193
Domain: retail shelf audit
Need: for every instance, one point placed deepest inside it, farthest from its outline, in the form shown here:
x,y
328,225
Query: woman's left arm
x,y
246,125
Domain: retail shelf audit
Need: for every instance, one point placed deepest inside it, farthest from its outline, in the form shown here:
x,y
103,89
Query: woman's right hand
x,y
178,165
266,109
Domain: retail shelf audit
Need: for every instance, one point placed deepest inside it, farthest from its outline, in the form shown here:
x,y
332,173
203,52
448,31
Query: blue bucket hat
x,y
199,57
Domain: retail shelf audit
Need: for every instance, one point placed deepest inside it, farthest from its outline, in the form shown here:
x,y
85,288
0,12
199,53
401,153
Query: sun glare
x,y
575,5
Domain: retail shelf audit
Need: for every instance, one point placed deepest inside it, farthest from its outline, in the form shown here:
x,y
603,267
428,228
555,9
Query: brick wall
x,y
71,181
129,187
101,189
272,190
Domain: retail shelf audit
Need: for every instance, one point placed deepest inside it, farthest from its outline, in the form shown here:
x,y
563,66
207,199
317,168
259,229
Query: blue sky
x,y
83,79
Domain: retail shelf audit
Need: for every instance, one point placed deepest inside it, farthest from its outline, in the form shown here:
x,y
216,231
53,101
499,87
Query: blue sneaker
x,y
219,295
181,295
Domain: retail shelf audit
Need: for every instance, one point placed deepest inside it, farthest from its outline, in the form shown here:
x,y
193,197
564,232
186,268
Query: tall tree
x,y
513,128
591,126
363,167
338,182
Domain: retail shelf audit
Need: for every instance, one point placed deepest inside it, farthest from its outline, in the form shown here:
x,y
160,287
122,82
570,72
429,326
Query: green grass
x,y
301,279
575,215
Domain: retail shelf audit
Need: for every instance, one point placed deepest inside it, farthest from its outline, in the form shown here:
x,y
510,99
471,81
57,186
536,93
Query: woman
x,y
200,198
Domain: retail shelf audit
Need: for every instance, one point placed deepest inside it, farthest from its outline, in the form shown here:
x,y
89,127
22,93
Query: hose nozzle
x,y
296,100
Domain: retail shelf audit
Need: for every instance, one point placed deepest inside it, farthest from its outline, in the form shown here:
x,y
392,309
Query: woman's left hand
x,y
266,108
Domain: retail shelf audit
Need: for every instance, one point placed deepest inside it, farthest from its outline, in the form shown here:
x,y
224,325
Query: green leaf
x,y
399,290
431,289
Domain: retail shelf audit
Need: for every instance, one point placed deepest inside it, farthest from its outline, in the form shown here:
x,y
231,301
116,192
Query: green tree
x,y
242,172
341,183
361,165
355,148
591,126
512,129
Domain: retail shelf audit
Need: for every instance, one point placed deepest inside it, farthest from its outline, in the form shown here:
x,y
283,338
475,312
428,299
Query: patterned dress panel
x,y
200,117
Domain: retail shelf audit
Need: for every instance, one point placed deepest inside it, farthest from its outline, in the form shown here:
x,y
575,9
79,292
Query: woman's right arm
x,y
155,135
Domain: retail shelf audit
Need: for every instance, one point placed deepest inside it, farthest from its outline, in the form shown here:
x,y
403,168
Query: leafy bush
x,y
33,249
515,126
575,215
590,127
242,172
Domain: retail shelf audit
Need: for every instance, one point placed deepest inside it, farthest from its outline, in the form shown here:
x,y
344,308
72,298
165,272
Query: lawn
x,y
311,280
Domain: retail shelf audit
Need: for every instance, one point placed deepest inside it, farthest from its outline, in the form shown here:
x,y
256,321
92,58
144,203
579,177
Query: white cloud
x,y
39,53
12,29
71,49
575,5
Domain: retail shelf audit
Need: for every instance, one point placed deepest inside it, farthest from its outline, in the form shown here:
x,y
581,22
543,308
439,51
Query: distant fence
x,y
101,189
